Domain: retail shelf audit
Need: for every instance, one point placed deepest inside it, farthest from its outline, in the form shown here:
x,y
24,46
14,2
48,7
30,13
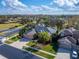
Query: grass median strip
x,y
11,40
39,53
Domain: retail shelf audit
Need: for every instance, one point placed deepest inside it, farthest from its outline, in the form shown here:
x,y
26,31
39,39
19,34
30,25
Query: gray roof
x,y
71,39
51,30
64,43
76,34
43,28
66,32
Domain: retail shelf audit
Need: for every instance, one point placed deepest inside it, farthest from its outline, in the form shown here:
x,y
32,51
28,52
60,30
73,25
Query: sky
x,y
49,7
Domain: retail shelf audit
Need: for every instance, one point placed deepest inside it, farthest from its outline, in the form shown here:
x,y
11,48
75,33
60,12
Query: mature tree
x,y
59,25
44,37
22,31
35,36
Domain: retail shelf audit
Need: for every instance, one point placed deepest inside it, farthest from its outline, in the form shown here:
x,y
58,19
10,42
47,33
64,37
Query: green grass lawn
x,y
49,47
8,25
40,53
12,40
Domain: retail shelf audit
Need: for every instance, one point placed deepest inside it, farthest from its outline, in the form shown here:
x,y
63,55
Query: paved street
x,y
11,32
9,52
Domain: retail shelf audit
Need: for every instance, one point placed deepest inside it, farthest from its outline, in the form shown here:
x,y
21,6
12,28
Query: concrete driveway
x,y
18,44
63,54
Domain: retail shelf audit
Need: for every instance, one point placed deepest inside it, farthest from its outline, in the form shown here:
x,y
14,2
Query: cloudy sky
x,y
39,7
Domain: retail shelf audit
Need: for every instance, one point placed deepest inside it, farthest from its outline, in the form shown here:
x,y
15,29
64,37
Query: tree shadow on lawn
x,y
54,46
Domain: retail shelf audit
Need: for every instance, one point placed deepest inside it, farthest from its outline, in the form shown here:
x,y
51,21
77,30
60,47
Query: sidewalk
x,y
18,44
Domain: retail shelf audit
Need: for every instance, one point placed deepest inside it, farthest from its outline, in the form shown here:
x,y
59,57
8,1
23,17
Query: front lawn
x,y
14,38
49,48
40,53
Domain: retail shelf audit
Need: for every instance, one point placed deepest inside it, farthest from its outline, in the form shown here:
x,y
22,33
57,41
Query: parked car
x,y
74,54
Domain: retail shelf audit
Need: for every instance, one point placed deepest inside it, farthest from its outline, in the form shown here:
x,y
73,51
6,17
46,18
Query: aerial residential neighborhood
x,y
49,37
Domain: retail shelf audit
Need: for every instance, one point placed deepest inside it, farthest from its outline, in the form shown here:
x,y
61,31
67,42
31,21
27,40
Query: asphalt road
x,y
9,52
11,32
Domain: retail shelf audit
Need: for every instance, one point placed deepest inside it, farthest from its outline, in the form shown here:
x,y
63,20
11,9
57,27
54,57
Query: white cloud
x,y
15,4
45,7
36,8
59,2
17,7
69,3
42,8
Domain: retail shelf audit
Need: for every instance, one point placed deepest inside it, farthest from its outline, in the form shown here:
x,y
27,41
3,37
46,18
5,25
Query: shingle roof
x,y
65,43
65,33
71,39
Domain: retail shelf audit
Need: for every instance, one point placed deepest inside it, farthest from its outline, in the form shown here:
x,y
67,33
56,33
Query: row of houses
x,y
69,38
68,44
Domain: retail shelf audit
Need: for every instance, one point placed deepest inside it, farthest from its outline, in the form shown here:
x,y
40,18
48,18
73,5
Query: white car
x,y
74,54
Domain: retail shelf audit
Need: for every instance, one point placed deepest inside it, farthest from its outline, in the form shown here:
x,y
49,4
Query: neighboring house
x,y
67,43
76,35
68,38
30,34
51,30
39,28
43,28
64,43
67,32
72,40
